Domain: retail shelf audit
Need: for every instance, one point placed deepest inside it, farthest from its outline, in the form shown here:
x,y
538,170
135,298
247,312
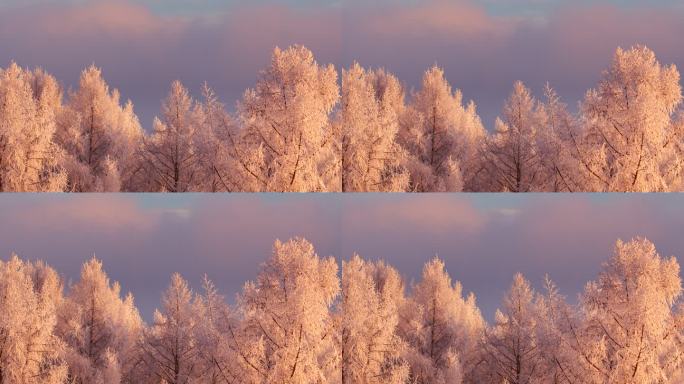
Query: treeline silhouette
x,y
299,129
302,321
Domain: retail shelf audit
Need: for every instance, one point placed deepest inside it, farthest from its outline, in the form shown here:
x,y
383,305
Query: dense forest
x,y
304,321
303,129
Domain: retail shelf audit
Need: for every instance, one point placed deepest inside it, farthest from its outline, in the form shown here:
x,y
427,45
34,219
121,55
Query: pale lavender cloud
x,y
482,51
112,215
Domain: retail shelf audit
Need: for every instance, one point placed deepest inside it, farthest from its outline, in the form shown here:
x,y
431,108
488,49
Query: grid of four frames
x,y
298,192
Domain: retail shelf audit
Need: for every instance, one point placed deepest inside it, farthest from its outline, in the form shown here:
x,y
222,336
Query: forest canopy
x,y
307,319
306,127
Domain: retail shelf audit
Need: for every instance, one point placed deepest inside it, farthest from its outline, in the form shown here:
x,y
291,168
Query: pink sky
x,y
483,51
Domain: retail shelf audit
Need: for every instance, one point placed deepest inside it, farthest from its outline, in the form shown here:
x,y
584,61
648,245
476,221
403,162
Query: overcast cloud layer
x,y
483,238
483,45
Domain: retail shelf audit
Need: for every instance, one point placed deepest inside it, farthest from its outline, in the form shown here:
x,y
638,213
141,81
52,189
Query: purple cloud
x,y
142,52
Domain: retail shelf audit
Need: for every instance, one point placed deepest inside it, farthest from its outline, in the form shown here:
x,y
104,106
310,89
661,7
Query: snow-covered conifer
x,y
287,140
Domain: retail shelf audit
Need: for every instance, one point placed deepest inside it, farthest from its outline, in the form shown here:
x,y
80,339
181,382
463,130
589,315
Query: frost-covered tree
x,y
287,143
473,138
558,145
512,349
218,359
676,143
367,125
99,328
287,316
170,348
625,328
389,89
370,350
29,350
217,142
229,161
629,144
28,155
675,367
440,135
564,348
441,327
100,136
629,315
171,152
513,156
